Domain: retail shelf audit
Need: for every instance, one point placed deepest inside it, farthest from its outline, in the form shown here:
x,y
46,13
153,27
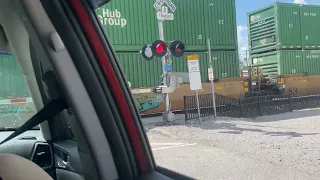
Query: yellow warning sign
x,y
193,57
281,81
218,87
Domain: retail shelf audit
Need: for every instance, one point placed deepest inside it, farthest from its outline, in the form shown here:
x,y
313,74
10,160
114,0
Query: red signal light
x,y
159,48
177,48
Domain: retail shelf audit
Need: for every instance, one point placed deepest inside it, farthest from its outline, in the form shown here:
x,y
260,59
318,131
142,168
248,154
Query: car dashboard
x,y
30,145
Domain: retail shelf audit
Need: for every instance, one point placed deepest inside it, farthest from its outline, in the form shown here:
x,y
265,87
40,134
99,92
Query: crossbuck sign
x,y
163,13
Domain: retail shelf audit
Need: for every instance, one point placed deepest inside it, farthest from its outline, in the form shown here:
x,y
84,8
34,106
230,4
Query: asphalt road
x,y
284,146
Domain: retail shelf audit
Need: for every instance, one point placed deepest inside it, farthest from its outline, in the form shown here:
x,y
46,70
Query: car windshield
x,y
16,105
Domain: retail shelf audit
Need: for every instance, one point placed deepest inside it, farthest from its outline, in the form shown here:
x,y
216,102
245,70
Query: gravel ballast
x,y
272,147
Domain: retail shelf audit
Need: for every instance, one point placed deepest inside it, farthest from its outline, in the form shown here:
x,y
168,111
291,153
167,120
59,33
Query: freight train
x,y
129,29
284,52
282,41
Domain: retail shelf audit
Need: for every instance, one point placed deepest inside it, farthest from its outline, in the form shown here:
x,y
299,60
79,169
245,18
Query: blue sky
x,y
244,6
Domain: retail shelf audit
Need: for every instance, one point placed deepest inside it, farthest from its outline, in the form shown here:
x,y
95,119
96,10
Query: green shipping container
x,y
284,26
13,84
225,64
141,73
275,27
312,62
288,62
129,24
132,24
310,25
196,21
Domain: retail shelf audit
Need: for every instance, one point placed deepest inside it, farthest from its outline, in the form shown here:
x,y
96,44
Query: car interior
x,y
33,145
89,126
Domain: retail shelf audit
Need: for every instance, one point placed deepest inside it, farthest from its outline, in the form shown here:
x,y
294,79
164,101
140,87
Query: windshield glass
x,y
16,105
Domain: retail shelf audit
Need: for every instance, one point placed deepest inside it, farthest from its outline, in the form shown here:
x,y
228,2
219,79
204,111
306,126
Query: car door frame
x,y
95,149
87,61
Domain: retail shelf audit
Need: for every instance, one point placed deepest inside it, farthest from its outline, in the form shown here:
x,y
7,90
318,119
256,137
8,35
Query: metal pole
x,y
163,59
198,104
212,84
251,71
247,61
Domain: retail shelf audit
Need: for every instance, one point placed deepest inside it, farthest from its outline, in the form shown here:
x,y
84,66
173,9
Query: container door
x,y
220,19
225,64
187,24
289,26
310,25
312,63
291,62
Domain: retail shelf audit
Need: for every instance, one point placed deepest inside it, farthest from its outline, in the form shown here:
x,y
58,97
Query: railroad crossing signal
x,y
159,49
147,53
177,48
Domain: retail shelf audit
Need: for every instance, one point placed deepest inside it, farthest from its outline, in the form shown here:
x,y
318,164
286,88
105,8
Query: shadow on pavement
x,y
292,134
231,128
287,116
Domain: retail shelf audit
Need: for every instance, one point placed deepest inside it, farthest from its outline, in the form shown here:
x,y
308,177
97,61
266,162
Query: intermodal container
x,y
311,60
139,72
275,27
142,74
129,24
280,62
132,24
225,64
310,25
13,84
220,21
196,21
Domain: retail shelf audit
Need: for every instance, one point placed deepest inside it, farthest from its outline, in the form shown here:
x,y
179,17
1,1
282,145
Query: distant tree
x,y
241,64
243,60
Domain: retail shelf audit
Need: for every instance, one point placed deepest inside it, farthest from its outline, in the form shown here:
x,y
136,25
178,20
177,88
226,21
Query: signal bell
x,y
177,48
